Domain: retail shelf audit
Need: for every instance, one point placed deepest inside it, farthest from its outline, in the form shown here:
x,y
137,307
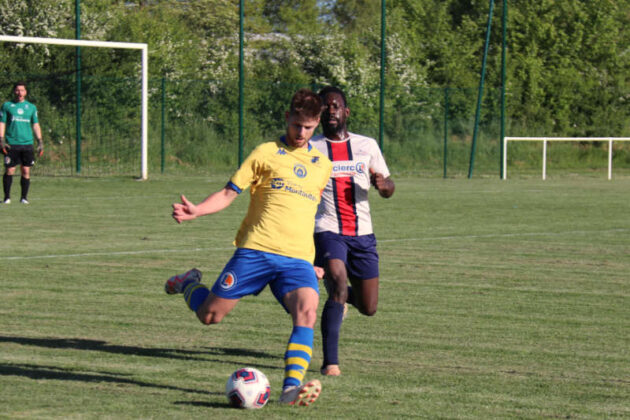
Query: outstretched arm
x,y
212,204
385,186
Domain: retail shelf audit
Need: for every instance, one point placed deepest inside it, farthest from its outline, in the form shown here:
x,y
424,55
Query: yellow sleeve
x,y
250,171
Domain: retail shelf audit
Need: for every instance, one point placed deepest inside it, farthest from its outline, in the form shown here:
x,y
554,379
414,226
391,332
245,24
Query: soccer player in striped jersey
x,y
344,239
275,241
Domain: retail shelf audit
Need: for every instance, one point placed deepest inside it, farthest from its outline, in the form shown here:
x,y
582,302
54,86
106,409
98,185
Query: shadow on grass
x,y
203,404
180,354
99,345
54,372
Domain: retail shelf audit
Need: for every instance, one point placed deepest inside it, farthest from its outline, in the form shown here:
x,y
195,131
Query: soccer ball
x,y
247,388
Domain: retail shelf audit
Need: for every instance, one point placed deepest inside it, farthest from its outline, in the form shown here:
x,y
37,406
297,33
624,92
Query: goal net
x,y
100,128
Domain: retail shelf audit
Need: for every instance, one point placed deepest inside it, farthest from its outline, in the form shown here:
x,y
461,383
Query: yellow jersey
x,y
286,185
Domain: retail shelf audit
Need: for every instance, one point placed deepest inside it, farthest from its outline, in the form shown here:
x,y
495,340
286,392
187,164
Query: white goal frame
x,y
545,140
107,44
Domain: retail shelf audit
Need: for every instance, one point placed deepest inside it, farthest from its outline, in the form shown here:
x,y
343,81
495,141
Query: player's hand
x,y
4,146
184,210
377,179
40,150
319,272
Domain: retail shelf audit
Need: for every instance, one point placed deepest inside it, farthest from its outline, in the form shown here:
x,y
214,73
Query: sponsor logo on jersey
x,y
315,159
228,280
348,168
299,170
277,183
20,111
281,184
281,151
293,189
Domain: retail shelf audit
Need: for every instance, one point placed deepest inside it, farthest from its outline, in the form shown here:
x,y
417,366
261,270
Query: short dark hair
x,y
305,103
332,89
19,83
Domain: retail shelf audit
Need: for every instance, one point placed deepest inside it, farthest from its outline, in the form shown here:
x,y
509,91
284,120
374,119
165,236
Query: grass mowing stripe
x,y
115,253
434,238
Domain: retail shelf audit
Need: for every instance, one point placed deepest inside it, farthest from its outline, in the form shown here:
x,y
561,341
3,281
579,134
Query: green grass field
x,y
499,299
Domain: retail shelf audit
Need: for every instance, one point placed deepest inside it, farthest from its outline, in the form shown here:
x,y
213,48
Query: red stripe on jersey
x,y
343,190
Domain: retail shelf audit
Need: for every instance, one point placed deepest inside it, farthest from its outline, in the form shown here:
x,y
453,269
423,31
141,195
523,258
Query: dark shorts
x,y
20,155
357,252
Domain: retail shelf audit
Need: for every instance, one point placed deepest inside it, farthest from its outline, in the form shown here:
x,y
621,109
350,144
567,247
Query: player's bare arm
x,y
385,186
38,135
3,145
214,203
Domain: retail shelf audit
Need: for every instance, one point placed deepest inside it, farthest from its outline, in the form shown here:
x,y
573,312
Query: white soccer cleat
x,y
304,395
24,201
174,284
7,201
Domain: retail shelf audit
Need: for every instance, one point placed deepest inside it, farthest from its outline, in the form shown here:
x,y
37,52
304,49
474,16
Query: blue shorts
x,y
357,252
249,271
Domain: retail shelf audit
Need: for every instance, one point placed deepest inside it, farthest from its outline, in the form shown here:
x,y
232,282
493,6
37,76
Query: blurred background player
x,y
18,122
344,239
275,241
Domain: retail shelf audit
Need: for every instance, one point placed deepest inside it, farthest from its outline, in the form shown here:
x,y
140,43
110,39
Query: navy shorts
x,y
249,271
357,252
20,155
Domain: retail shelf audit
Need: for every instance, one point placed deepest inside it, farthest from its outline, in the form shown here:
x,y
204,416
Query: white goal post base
x,y
107,44
545,140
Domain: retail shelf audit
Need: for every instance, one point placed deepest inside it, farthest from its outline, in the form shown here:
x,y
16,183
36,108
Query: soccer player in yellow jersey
x,y
275,241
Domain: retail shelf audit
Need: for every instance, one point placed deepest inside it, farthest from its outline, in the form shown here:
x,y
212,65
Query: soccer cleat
x,y
24,201
304,395
331,370
7,201
174,284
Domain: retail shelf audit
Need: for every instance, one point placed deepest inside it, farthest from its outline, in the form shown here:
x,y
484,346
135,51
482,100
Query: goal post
x,y
545,140
144,173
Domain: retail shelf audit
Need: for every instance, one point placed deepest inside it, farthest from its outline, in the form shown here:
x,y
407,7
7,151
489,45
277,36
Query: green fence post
x,y
78,79
241,87
480,94
445,130
503,77
162,151
381,129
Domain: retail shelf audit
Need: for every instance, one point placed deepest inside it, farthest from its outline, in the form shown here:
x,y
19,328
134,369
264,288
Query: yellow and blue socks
x,y
298,356
194,294
332,317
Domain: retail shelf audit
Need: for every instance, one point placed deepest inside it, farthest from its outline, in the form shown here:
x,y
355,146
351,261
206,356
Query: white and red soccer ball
x,y
247,388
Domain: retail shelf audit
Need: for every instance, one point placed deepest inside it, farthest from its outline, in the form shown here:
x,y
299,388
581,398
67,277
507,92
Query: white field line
x,y
433,238
506,235
107,254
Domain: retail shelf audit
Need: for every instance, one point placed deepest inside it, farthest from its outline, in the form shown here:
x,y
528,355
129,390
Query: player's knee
x,y
306,317
339,294
338,277
208,317
368,309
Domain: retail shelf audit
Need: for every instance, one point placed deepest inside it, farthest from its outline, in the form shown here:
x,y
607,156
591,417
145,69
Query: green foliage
x,y
567,63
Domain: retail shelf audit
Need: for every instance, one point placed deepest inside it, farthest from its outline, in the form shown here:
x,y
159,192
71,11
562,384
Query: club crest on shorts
x,y
227,280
